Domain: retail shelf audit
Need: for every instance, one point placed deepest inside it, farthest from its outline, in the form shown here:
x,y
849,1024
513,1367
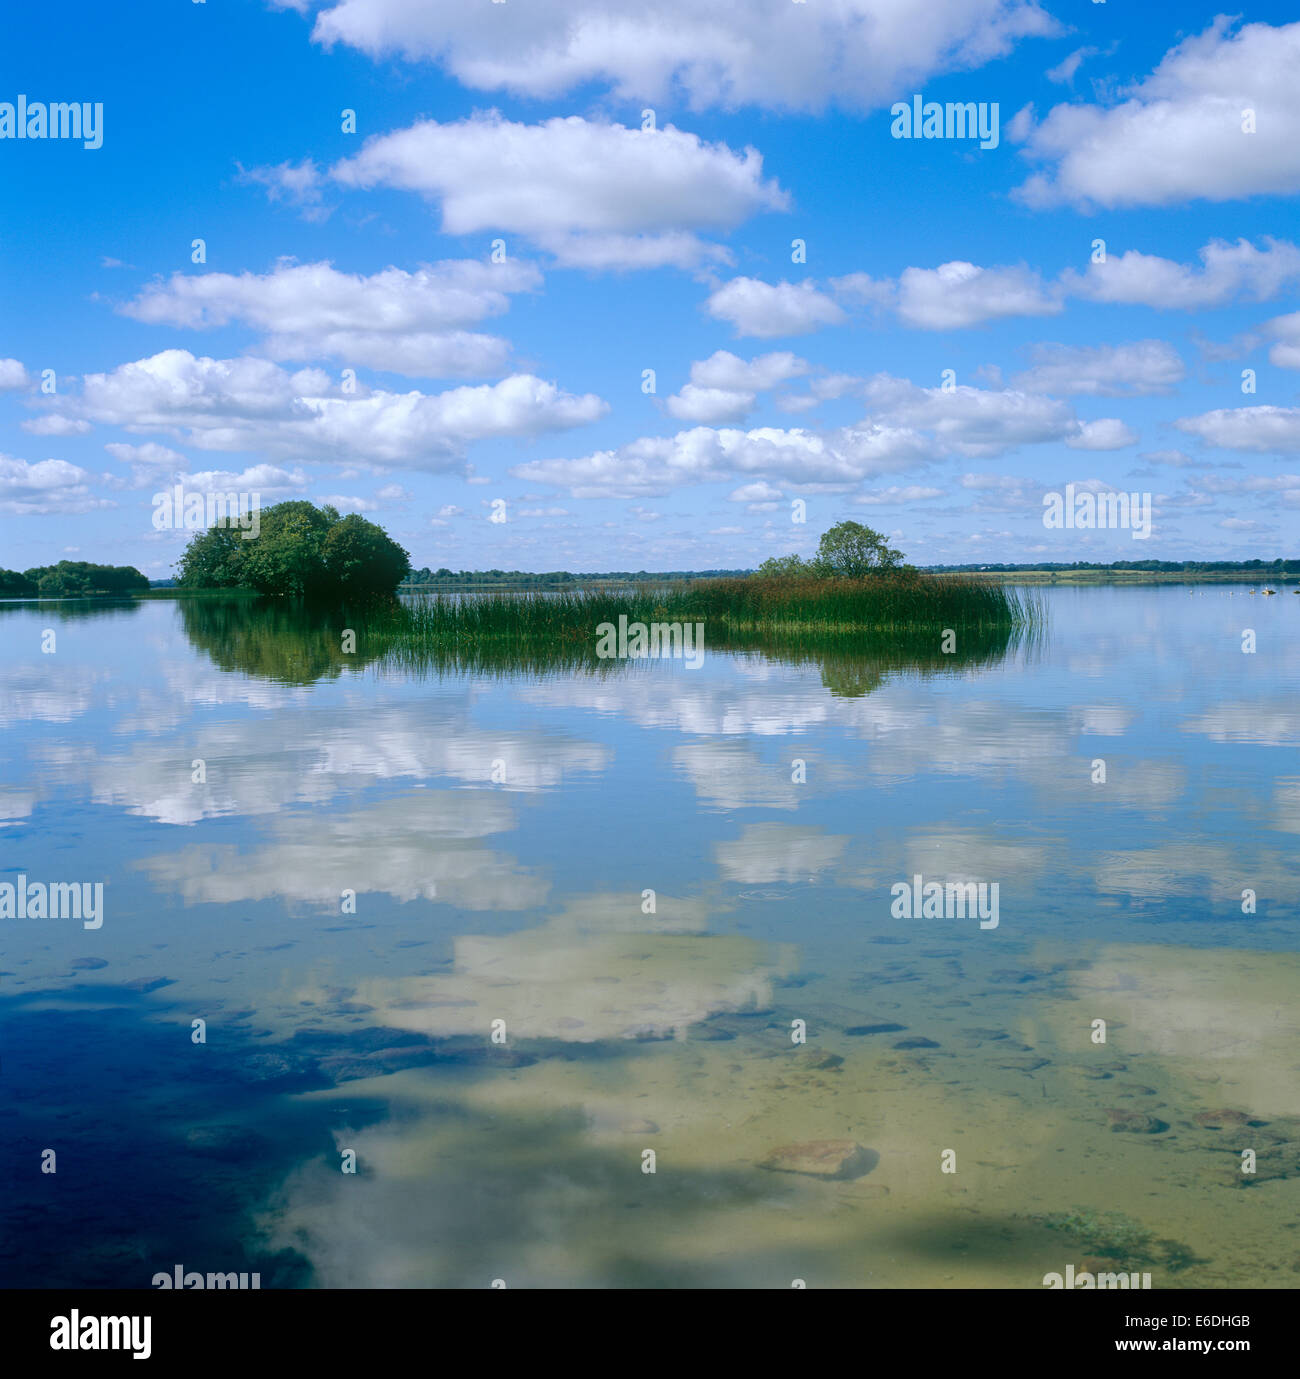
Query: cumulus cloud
x,y
950,297
1266,486
1284,331
1109,433
266,479
150,464
959,294
593,194
408,323
1133,370
1263,430
764,310
12,375
907,426
650,466
856,53
55,424
725,387
253,404
345,503
1179,135
46,488
982,422
1228,273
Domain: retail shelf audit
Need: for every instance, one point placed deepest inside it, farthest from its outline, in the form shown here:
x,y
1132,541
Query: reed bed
x,y
873,613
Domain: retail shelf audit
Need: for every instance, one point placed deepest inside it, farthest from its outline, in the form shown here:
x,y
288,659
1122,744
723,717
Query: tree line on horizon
x,y
70,579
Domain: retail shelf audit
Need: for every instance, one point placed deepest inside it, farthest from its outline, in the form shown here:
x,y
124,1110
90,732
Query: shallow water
x,y
500,832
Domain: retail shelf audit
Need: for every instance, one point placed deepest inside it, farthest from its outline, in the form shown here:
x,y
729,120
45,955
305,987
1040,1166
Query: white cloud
x,y
1229,273
959,294
1285,332
725,387
726,370
863,290
55,424
344,503
888,497
709,405
1264,430
971,421
268,480
150,464
1109,433
1270,489
761,309
1146,366
657,465
759,492
592,194
253,404
409,323
856,53
12,375
1178,136
299,184
45,488
1064,72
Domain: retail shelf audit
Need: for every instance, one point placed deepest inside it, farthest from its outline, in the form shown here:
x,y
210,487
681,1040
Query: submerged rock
x,y
639,1127
1136,1123
839,1159
818,1058
1221,1120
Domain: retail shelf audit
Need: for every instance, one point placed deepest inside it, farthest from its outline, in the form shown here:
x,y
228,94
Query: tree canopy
x,y
847,551
70,578
301,551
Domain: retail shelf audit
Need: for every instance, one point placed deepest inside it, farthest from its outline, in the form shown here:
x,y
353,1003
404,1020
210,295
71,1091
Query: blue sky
x,y
351,336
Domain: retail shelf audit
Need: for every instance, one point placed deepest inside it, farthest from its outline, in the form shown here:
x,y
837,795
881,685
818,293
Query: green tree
x,y
15,585
71,578
214,559
300,551
850,551
779,566
361,558
287,557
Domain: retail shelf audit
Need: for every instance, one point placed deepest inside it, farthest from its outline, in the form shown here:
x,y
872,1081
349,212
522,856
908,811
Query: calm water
x,y
499,832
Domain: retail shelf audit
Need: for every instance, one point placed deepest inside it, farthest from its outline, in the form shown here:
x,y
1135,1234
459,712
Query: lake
x,y
543,974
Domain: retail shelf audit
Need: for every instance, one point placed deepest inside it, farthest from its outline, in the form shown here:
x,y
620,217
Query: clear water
x,y
499,832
